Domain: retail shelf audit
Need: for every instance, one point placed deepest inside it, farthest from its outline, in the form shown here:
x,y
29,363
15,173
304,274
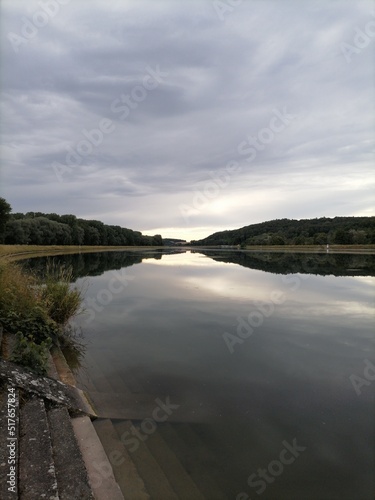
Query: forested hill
x,y
339,230
36,228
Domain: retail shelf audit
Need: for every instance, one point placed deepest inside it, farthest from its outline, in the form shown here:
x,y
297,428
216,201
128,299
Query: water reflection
x,y
288,263
95,264
288,375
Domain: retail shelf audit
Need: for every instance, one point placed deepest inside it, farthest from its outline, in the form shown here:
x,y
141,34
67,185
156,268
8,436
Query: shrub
x,y
36,323
31,354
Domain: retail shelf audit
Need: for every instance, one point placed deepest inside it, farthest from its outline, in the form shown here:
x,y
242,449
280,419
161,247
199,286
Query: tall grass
x,y
60,299
37,310
19,291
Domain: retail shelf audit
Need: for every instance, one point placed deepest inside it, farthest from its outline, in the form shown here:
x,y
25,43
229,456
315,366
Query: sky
x,y
187,117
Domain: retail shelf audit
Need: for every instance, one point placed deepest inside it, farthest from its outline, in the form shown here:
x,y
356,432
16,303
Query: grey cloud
x,y
224,80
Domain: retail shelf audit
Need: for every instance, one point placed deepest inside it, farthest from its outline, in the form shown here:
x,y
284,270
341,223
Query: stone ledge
x,y
52,390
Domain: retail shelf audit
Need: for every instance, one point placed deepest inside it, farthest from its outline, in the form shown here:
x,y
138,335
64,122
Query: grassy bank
x,y
365,249
36,312
17,252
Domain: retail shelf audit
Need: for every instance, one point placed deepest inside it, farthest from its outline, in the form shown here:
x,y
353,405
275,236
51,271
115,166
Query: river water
x,y
268,357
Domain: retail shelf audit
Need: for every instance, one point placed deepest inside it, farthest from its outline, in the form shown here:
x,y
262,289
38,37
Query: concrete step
x,y
91,375
221,441
193,461
99,469
123,374
180,480
7,345
51,368
9,442
83,378
62,367
152,474
71,474
115,373
37,478
122,406
140,406
125,472
213,463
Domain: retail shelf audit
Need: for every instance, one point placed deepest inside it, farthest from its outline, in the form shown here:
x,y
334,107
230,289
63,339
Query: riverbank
x,y
360,249
18,252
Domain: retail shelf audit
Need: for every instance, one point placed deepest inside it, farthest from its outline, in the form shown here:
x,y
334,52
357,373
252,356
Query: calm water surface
x,y
265,351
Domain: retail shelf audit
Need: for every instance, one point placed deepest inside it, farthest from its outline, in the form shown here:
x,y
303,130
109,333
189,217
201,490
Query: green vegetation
x,y
5,210
19,252
36,311
29,353
37,228
339,230
61,302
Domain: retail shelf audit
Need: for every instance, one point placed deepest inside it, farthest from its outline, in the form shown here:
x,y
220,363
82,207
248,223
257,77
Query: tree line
x,y
319,231
38,228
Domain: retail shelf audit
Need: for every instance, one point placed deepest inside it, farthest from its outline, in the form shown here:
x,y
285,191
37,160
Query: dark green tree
x,y
300,240
5,210
15,233
276,239
157,240
320,239
343,237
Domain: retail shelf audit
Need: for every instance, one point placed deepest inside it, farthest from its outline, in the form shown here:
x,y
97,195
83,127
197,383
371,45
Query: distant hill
x,y
320,231
173,241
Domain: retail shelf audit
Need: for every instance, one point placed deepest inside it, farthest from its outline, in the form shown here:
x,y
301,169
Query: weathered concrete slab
x,y
9,443
71,474
37,477
48,388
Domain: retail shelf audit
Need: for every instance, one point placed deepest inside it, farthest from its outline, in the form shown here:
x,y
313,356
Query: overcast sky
x,y
186,117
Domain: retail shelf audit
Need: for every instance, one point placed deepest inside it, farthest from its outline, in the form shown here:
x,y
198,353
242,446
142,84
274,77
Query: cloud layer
x,y
188,117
